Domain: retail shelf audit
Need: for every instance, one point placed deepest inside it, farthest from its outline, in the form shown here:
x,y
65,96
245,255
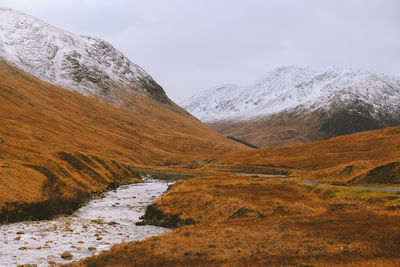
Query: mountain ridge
x,y
291,104
86,64
299,86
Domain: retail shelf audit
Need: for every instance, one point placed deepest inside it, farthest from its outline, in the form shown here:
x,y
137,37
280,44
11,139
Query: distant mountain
x,y
290,105
85,64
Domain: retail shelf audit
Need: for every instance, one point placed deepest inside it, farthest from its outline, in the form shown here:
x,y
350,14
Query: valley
x,y
256,221
99,167
289,206
60,147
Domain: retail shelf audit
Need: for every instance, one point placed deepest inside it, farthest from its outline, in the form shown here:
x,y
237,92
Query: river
x,y
97,226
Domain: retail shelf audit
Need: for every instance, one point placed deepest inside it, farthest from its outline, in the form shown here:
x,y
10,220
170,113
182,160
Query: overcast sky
x,y
192,45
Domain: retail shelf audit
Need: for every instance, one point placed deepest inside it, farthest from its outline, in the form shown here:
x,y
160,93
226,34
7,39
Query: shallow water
x,y
93,228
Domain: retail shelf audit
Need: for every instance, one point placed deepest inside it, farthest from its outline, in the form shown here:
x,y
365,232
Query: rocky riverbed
x,y
95,227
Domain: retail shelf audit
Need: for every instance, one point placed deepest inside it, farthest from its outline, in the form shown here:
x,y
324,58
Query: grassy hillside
x,y
351,158
57,144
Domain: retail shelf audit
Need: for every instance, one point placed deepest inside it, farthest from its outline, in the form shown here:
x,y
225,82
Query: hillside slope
x,y
55,143
291,105
88,65
367,157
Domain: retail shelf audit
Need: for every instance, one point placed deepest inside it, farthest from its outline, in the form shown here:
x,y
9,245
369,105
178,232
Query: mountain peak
x,y
292,104
290,88
88,65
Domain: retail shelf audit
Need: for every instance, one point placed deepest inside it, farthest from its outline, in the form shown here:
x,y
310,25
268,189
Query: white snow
x,y
92,226
85,64
297,89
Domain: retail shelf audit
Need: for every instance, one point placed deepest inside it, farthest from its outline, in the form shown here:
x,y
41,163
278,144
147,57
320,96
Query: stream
x,y
97,226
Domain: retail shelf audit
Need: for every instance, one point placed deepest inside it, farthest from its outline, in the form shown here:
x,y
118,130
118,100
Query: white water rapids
x,y
97,226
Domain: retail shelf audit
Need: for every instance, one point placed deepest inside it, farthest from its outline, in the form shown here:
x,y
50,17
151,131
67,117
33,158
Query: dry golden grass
x,y
298,224
56,142
38,120
339,159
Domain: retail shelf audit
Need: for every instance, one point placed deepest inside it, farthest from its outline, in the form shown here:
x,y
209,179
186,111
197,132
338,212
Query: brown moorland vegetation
x,y
367,157
59,145
255,220
250,221
56,144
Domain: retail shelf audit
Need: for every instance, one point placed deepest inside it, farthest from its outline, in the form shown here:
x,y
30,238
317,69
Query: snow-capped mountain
x,y
85,64
344,101
290,88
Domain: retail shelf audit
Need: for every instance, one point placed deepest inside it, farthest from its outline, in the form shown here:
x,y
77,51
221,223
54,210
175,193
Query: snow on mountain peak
x,y
85,64
292,88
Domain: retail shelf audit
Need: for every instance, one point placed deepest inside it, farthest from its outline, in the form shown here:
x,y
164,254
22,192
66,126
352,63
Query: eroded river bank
x,y
97,226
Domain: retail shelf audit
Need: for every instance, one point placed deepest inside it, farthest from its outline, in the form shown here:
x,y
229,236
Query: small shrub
x,y
374,200
327,194
392,197
317,190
